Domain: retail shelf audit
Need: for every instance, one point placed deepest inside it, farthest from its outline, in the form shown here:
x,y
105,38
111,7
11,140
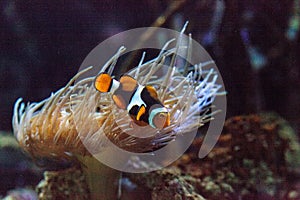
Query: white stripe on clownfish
x,y
137,98
115,85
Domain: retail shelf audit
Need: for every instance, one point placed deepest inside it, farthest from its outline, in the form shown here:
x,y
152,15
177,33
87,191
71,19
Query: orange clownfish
x,y
141,102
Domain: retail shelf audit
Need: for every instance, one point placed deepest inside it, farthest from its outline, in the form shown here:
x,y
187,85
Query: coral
x,y
65,184
256,156
168,184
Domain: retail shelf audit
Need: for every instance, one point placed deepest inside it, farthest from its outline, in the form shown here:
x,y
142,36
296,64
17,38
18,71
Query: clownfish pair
x,y
141,102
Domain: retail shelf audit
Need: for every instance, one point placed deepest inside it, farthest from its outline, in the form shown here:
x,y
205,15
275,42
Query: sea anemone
x,y
77,116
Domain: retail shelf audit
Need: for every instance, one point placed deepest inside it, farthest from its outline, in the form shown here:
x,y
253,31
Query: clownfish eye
x,y
162,115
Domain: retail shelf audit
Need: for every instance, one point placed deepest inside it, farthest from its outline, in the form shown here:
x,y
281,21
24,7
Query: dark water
x,y
255,48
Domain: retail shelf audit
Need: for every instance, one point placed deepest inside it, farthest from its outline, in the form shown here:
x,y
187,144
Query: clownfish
x,y
141,102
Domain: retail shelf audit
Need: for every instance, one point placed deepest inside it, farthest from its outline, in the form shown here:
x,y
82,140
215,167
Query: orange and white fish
x,y
141,102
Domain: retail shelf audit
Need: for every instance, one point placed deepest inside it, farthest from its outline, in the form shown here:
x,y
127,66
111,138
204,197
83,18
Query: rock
x,y
255,156
64,184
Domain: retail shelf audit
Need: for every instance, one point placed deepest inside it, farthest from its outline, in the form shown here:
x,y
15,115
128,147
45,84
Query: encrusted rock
x,y
65,184
256,156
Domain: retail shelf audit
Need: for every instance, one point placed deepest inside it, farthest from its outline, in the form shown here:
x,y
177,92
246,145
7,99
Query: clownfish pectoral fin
x,y
128,83
138,122
141,111
119,101
103,82
152,91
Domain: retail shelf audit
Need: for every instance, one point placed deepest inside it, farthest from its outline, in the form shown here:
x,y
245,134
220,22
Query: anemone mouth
x,y
78,120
